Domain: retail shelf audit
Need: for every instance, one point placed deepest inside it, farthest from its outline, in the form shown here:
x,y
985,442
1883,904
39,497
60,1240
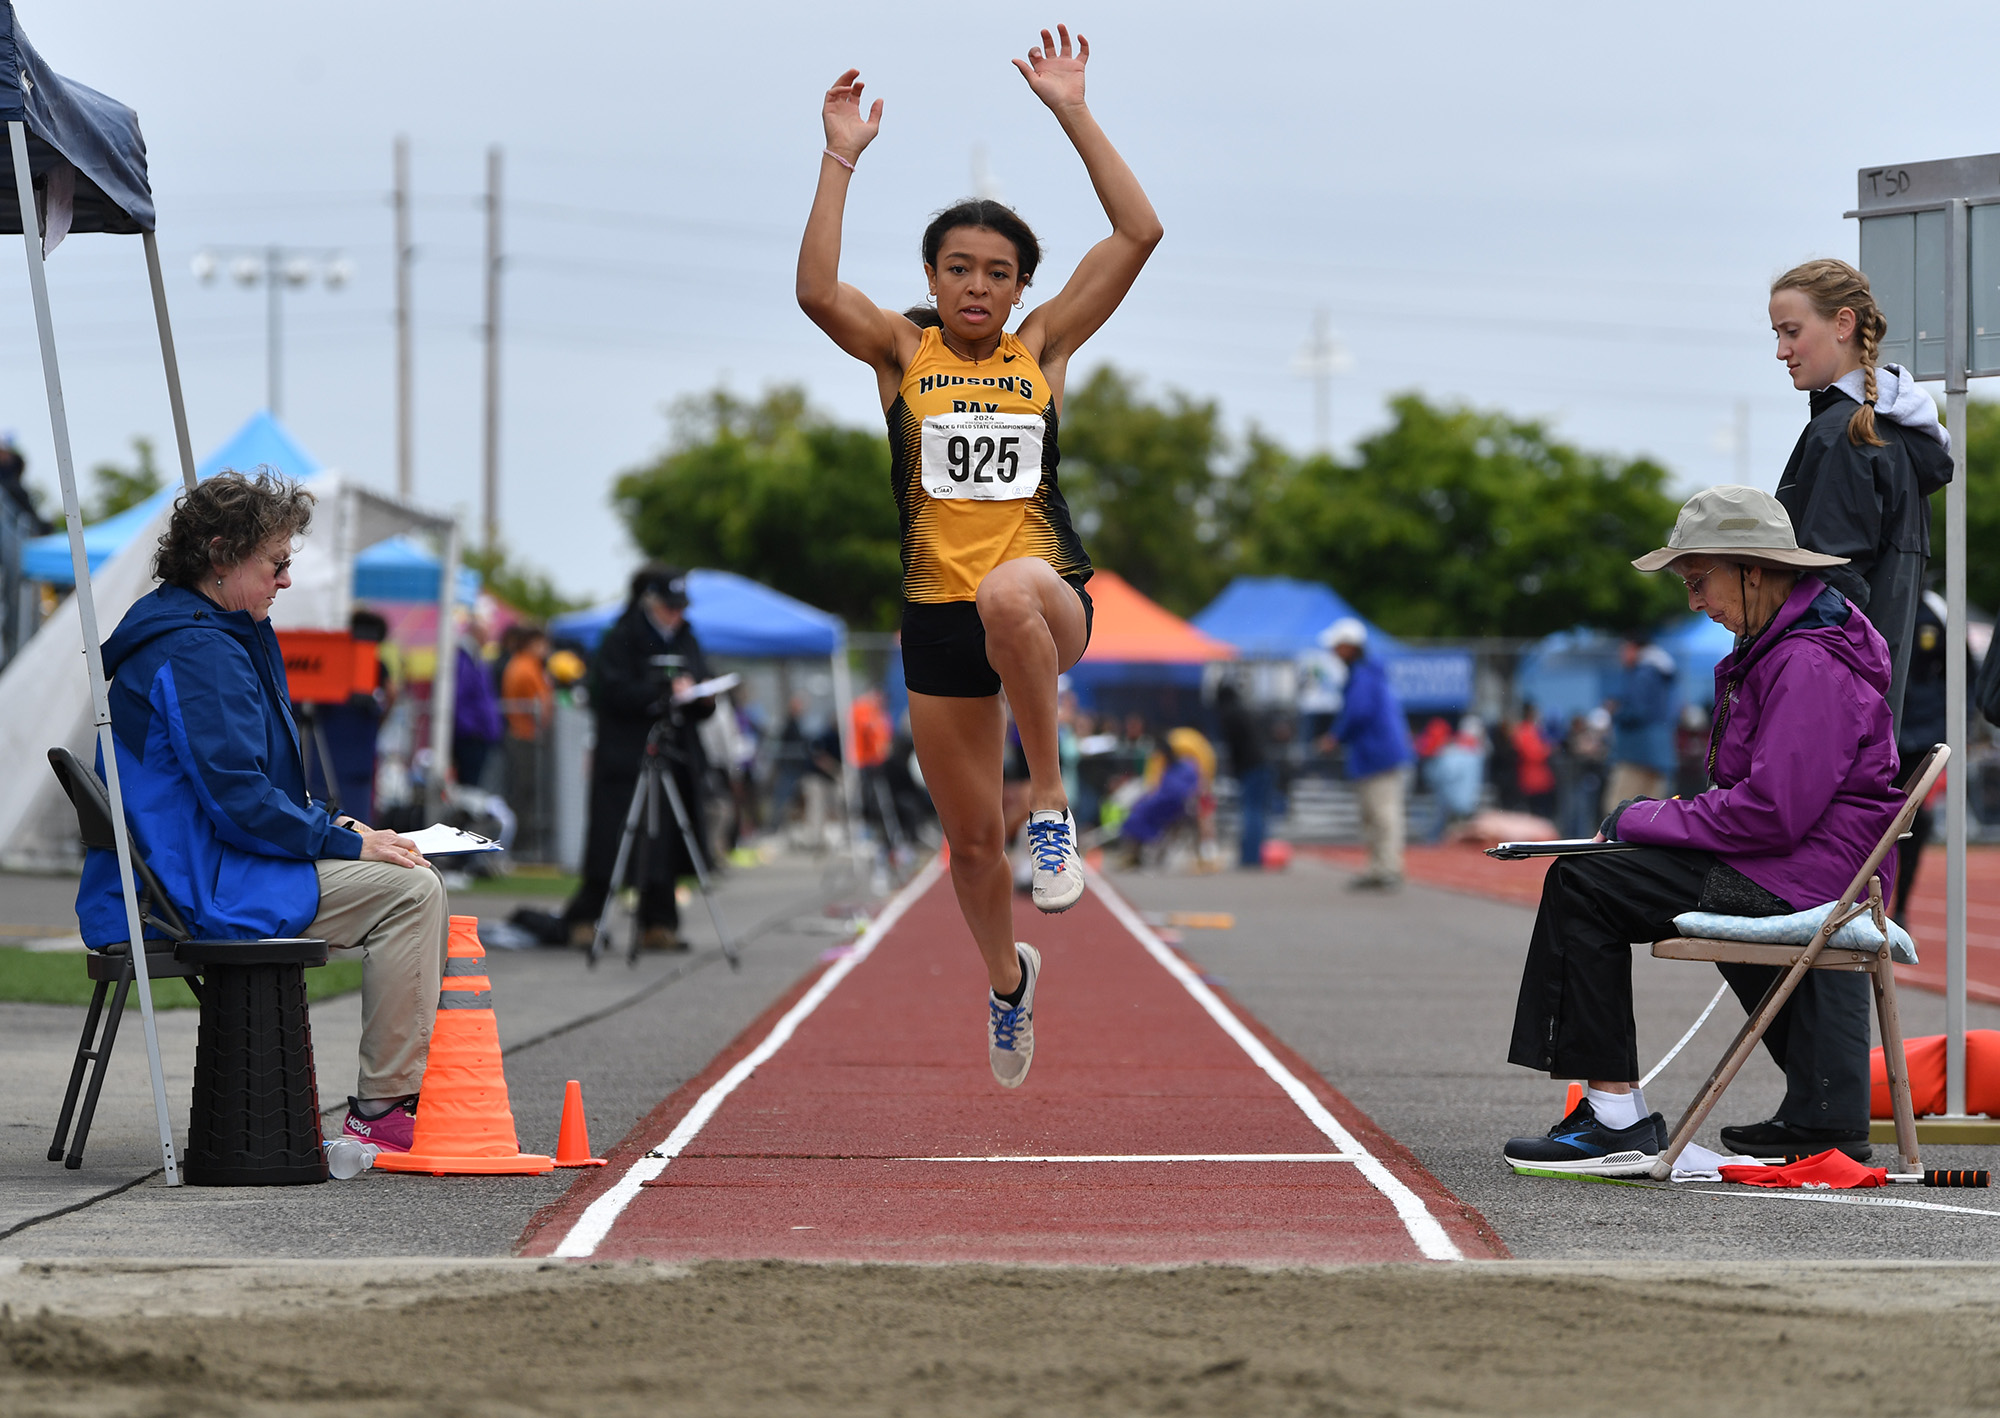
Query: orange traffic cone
x,y
573,1142
1575,1097
464,1122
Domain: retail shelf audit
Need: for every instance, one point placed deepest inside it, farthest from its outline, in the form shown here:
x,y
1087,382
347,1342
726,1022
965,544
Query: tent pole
x,y
93,655
168,358
850,772
444,680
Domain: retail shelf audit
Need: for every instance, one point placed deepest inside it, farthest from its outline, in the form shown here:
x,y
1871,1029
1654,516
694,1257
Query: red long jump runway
x,y
858,1120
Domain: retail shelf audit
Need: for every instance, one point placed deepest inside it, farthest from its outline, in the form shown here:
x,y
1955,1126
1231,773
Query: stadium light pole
x,y
274,268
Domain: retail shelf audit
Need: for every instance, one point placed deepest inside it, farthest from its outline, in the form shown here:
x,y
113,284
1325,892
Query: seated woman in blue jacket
x,y
215,794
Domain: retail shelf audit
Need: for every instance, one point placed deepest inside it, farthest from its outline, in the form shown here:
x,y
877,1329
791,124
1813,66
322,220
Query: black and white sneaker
x,y
1580,1143
1776,1141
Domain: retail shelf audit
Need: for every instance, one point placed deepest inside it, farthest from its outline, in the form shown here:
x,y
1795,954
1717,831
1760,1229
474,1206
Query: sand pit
x,y
504,1338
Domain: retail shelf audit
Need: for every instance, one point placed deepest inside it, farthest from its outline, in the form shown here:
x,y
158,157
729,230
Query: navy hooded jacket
x,y
214,785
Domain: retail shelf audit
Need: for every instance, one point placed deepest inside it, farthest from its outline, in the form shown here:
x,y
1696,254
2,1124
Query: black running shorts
x,y
944,647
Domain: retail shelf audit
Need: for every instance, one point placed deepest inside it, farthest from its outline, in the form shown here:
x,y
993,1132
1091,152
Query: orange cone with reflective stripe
x,y
573,1142
464,1121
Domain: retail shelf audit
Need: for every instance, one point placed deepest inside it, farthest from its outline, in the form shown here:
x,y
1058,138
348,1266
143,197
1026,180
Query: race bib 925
x,y
982,457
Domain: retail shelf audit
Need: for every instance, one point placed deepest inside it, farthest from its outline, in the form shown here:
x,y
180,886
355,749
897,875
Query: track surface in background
x,y
874,1131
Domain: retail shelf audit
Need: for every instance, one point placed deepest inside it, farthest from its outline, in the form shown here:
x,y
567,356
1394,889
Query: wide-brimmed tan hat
x,y
1739,523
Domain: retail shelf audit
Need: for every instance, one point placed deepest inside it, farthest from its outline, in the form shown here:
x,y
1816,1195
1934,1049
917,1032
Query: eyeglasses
x,y
1694,586
280,565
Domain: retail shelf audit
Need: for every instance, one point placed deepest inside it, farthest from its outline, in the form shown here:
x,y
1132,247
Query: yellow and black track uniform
x,y
989,495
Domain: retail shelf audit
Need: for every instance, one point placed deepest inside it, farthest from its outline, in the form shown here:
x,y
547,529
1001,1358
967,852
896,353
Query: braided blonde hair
x,y
1832,286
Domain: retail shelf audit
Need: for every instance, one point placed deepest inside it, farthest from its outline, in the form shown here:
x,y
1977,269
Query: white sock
x,y
1616,1111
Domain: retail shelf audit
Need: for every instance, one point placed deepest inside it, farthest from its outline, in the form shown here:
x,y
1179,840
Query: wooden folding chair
x,y
1815,955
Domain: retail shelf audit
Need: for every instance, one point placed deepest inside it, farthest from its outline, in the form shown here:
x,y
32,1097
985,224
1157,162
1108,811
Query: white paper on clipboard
x,y
438,840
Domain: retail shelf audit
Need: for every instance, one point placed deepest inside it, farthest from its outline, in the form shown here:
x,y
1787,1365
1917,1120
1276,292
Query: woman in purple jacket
x,y
1800,761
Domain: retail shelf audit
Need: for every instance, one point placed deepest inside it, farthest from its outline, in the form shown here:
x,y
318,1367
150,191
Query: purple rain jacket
x,y
1802,755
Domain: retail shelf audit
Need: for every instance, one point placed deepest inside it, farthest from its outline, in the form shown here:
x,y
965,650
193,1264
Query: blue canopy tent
x,y
732,615
1279,618
1573,671
735,616
404,569
77,163
261,442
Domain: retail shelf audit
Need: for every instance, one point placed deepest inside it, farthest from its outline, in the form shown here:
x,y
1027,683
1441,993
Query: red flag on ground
x,y
1832,1170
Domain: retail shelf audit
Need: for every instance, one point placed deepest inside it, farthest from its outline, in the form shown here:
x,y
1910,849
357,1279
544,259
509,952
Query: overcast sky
x,y
1570,212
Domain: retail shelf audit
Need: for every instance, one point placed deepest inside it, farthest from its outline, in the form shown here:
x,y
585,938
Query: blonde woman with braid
x,y
1858,482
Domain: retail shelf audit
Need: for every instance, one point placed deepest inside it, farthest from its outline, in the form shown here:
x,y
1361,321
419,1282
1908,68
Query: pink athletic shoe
x,y
393,1131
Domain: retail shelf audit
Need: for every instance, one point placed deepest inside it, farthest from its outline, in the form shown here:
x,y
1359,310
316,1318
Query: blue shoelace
x,y
1048,844
1007,1021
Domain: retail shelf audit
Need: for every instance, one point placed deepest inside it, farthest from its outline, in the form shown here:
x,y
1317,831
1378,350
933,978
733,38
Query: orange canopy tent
x,y
1129,628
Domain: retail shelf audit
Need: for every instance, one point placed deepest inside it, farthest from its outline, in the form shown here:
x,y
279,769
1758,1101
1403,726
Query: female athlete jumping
x,y
993,573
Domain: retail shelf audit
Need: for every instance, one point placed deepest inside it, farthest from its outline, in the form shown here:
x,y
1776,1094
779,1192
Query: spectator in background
x,y
1250,767
1580,771
1458,773
1642,723
530,699
14,487
1534,779
475,718
1691,751
349,730
1372,729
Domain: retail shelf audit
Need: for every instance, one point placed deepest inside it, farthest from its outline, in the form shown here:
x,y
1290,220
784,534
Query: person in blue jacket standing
x,y
215,789
1643,758
1372,729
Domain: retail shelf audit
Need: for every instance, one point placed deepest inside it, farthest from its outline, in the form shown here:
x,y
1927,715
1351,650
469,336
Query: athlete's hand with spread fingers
x,y
1056,76
847,132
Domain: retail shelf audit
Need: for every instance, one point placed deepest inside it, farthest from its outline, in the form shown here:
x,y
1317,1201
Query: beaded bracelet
x,y
838,158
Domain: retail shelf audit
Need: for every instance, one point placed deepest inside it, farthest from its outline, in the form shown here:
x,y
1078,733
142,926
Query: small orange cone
x,y
464,1121
1575,1097
573,1142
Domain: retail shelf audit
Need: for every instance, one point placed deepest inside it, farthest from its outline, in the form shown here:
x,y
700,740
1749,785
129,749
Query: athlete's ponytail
x,y
1832,286
993,216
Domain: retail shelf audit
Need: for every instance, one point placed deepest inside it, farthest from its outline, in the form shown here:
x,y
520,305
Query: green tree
x,y
118,488
778,493
525,588
1153,491
1982,507
1455,522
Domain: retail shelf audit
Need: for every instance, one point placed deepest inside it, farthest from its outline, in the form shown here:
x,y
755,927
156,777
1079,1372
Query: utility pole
x,y
275,267
1742,442
405,456
274,333
491,452
1322,358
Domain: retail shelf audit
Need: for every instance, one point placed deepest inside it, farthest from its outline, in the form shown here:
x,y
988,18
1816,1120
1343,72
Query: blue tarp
x,y
70,127
404,569
1574,671
261,442
731,615
1278,618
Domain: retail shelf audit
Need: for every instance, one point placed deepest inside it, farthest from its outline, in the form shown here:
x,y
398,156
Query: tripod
x,y
656,780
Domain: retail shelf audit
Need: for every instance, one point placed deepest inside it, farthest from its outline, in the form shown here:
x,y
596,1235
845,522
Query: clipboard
x,y
1561,847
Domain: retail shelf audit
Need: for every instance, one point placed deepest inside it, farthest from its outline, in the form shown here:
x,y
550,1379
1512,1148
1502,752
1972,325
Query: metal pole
x,y
273,333
444,696
405,460
1323,379
1957,323
173,365
490,451
86,609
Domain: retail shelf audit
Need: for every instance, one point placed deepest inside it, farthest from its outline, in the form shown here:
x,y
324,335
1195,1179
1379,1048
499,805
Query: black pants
x,y
1574,1017
666,856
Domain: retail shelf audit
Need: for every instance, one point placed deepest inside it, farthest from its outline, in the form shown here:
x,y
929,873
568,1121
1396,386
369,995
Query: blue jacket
x,y
1371,722
214,784
1642,726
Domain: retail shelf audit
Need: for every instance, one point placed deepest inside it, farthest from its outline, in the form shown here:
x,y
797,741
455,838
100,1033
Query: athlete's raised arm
x,y
855,322
1054,330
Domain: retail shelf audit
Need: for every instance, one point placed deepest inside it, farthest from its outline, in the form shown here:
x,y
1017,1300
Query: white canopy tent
x,y
44,704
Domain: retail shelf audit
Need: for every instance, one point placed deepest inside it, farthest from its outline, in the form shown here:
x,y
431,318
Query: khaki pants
x,y
397,917
1381,799
1632,780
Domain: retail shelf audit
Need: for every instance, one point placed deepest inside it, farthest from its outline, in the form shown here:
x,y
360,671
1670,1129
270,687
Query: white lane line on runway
x,y
1159,1157
595,1224
1423,1227
1844,1200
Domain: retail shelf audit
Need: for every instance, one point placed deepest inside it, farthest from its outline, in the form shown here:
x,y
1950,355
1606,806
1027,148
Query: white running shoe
x,y
1010,1029
1058,869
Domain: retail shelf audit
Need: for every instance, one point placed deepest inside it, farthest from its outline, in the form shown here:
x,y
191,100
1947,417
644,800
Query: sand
x,y
529,1337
